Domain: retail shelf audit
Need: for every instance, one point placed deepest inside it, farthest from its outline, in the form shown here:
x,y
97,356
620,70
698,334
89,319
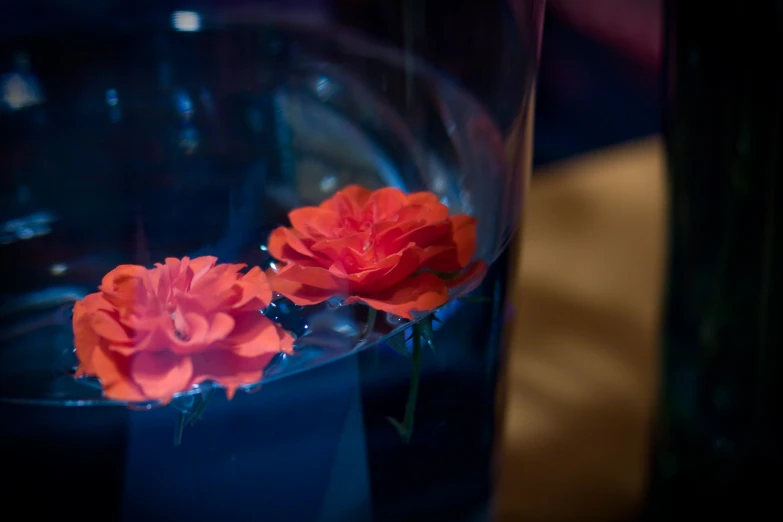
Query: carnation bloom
x,y
396,252
149,334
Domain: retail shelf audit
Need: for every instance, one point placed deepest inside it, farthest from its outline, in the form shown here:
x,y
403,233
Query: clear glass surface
x,y
135,132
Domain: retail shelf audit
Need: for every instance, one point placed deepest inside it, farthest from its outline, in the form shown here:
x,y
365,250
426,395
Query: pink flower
x,y
149,334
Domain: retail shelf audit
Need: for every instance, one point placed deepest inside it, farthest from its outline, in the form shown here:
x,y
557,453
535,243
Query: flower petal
x,y
281,250
417,232
421,293
464,236
292,283
384,204
200,266
388,273
106,324
85,340
126,286
254,335
113,370
254,290
354,271
220,326
470,278
424,206
155,340
425,199
189,332
180,273
314,221
218,279
334,249
461,246
349,200
315,277
160,375
228,369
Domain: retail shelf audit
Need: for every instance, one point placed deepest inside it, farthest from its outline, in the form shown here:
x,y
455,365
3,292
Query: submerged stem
x,y
189,416
372,313
405,428
179,427
201,404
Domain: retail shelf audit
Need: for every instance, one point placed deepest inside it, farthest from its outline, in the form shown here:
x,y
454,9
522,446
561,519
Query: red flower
x,y
151,333
385,248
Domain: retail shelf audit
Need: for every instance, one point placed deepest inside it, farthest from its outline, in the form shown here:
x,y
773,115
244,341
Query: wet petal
x,y
189,333
155,340
113,370
303,295
280,249
220,326
254,335
420,293
106,325
315,277
286,340
228,369
441,258
254,290
470,278
464,236
85,340
160,375
461,246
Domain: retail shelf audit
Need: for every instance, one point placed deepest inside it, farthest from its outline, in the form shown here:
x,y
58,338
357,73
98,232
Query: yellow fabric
x,y
582,376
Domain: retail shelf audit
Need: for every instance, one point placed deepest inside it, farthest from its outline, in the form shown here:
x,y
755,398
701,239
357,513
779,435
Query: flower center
x,y
179,329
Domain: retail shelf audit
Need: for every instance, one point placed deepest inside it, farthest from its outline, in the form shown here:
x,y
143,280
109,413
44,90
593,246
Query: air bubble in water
x,y
146,406
394,320
334,303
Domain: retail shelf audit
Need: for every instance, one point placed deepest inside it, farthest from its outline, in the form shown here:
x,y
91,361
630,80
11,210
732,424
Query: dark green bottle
x,y
718,451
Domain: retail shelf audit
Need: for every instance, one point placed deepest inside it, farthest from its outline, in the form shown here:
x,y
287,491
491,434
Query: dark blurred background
x,y
599,76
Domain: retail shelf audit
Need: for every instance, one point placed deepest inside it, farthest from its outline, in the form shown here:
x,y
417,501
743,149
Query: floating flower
x,y
149,334
395,252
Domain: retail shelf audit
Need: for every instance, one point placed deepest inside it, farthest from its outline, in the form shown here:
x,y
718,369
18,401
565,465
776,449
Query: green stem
x,y
372,313
201,405
179,427
188,418
405,428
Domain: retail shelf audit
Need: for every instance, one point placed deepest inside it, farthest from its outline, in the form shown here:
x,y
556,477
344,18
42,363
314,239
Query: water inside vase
x,y
133,147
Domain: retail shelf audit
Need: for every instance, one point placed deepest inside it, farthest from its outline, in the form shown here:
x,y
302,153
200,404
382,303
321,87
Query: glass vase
x,y
258,255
